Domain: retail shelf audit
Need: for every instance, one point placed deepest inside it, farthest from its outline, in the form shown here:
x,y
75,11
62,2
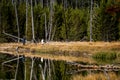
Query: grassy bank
x,y
70,51
97,76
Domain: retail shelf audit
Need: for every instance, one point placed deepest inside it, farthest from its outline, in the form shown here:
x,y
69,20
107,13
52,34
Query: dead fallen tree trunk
x,y
95,67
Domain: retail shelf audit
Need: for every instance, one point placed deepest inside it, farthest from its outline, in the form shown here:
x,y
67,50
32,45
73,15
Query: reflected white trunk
x,y
32,68
17,68
43,75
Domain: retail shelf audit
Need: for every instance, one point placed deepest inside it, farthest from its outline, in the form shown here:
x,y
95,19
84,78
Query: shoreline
x,y
68,51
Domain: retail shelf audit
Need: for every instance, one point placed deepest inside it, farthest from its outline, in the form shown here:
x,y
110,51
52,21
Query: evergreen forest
x,y
60,20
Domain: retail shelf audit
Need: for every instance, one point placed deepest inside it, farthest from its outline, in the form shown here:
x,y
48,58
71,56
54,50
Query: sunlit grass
x,y
75,51
97,76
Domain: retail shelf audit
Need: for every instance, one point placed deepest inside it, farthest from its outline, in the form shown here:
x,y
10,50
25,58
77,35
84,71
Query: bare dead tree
x,y
16,72
51,14
91,13
26,17
46,30
17,21
53,34
33,33
0,22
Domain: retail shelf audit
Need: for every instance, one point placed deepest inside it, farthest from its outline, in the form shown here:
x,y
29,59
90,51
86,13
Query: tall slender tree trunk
x,y
91,13
46,31
17,22
26,17
53,34
0,23
51,14
32,22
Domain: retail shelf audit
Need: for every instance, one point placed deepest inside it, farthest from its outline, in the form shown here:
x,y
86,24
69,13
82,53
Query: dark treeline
x,y
71,20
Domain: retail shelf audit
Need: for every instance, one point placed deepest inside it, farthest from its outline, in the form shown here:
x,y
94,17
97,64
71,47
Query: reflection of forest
x,y
44,69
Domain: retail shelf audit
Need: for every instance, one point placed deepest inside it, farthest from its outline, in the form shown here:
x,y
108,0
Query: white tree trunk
x,y
26,17
17,22
51,14
91,13
49,69
0,23
43,75
53,34
46,31
32,69
16,72
32,22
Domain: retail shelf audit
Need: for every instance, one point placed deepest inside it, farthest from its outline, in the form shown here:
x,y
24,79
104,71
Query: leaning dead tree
x,y
12,36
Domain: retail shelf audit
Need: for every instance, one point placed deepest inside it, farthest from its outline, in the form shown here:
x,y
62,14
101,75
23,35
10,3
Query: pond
x,y
34,68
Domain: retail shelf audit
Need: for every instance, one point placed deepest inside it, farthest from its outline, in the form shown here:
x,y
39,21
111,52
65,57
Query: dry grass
x,y
82,47
100,76
73,46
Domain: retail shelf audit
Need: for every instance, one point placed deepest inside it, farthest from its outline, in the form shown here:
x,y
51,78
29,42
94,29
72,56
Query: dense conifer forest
x,y
60,20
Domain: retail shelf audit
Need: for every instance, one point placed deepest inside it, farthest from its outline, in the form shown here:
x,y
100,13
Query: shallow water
x,y
24,68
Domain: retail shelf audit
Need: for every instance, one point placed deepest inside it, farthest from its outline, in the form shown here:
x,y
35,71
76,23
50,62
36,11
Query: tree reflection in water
x,y
43,69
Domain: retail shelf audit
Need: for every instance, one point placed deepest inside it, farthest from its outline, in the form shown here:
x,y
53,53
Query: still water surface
x,y
44,69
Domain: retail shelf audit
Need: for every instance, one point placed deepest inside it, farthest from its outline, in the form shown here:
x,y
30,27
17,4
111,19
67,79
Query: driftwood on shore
x,y
94,67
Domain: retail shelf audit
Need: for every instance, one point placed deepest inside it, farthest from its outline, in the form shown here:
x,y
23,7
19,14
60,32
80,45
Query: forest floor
x,y
68,51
